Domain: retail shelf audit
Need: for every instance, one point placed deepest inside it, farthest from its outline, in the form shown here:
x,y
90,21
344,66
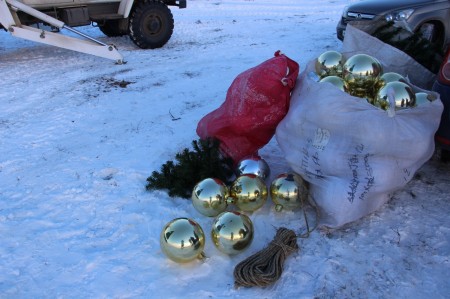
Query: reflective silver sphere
x,y
255,165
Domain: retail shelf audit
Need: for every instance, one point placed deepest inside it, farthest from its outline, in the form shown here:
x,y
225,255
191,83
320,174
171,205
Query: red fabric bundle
x,y
257,100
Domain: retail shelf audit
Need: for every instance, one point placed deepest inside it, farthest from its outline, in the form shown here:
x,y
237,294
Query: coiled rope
x,y
266,266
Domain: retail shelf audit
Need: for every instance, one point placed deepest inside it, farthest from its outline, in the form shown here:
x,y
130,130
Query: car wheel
x,y
151,24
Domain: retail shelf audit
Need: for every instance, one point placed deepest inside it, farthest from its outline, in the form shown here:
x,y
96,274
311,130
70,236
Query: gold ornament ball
x,y
389,77
329,63
232,232
249,192
182,240
288,191
423,97
396,93
253,165
209,197
392,76
362,72
336,81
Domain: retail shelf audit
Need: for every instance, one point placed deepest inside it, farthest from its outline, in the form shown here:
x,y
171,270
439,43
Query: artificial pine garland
x,y
192,166
425,52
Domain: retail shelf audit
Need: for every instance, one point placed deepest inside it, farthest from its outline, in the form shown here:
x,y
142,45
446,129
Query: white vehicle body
x,y
149,23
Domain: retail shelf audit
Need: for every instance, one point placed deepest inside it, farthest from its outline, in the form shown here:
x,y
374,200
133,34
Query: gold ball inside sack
x,y
329,63
396,93
361,72
423,98
389,77
336,81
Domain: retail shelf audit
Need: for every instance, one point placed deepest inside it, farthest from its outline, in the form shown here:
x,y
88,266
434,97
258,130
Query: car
x,y
442,86
431,17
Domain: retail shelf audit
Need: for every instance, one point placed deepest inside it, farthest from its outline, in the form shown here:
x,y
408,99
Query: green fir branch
x,y
203,161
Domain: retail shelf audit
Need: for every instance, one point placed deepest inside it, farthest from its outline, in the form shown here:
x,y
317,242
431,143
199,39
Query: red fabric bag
x,y
257,100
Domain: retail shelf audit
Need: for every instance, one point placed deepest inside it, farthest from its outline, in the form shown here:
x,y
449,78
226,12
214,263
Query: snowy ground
x,y
76,149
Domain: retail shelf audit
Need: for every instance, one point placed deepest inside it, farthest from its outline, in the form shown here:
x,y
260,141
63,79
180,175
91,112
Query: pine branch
x,y
204,160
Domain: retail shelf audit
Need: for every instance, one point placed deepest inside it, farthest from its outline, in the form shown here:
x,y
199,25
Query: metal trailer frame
x,y
89,45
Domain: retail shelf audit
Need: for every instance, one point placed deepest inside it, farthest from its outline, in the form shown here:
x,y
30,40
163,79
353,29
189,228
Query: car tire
x,y
151,24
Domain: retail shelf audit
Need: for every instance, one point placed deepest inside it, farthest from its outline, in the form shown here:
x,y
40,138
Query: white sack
x,y
352,153
392,59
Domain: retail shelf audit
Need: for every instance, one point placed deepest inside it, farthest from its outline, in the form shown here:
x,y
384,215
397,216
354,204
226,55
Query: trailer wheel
x,y
151,24
114,28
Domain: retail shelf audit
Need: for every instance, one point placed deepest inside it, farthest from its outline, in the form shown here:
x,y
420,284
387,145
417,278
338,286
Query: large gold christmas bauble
x,y
396,93
232,232
209,197
253,165
288,191
182,240
361,72
423,97
336,81
389,77
329,63
249,192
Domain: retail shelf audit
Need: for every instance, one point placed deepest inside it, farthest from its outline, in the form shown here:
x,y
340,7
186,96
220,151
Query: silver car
x,y
431,17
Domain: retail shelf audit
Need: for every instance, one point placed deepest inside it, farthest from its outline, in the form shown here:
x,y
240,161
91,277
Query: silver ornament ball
x,y
253,165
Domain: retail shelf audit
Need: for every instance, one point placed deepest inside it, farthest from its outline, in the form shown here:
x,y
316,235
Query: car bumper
x,y
443,133
340,30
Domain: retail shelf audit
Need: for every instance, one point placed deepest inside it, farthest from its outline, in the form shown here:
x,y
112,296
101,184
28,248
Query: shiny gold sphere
x,y
361,72
249,192
392,76
396,93
209,197
253,165
288,191
423,97
232,232
389,77
182,240
329,63
336,81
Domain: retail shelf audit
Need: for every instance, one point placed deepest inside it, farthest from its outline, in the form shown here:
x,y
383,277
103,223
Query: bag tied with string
x,y
256,102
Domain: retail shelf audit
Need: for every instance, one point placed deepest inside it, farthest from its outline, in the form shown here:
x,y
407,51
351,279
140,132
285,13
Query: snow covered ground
x,y
76,149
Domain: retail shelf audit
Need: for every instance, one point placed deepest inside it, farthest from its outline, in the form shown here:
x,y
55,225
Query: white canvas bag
x,y
353,154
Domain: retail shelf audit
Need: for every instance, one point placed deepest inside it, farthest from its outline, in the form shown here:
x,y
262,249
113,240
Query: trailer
x,y
149,23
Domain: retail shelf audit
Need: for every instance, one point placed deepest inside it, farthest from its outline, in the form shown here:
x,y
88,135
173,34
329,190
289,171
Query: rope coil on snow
x,y
266,266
